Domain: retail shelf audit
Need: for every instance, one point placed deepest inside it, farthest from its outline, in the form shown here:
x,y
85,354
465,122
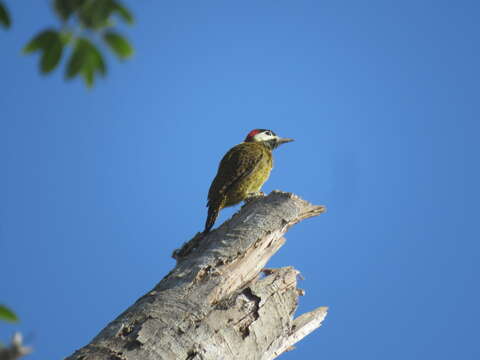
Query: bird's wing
x,y
237,164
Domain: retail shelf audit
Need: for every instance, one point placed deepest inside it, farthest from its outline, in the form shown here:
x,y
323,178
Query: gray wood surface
x,y
217,303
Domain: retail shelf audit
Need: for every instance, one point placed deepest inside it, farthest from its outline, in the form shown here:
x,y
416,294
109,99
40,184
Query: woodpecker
x,y
242,172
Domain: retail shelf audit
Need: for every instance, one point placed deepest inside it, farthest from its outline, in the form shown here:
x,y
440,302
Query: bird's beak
x,y
281,141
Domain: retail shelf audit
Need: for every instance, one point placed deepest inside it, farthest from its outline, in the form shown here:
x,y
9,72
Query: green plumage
x,y
242,171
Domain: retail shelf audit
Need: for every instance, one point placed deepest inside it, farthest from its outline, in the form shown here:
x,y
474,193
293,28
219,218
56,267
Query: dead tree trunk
x,y
214,304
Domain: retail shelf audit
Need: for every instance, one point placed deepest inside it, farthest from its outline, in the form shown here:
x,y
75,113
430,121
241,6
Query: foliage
x,y
86,60
4,17
86,26
7,315
118,44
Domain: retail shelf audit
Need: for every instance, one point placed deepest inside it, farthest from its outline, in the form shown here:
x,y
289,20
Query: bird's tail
x,y
213,210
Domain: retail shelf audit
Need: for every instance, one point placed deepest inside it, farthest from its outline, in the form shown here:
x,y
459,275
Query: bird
x,y
242,172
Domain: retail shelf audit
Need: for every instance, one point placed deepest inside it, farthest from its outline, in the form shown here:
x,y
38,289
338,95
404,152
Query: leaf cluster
x,y
92,14
87,26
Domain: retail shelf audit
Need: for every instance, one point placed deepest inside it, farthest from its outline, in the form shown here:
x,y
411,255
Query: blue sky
x,y
98,187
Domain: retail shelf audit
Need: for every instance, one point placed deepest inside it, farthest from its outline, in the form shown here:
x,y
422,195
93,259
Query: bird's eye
x,y
269,133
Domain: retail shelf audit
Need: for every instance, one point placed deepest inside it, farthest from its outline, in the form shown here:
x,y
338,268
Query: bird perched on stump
x,y
242,172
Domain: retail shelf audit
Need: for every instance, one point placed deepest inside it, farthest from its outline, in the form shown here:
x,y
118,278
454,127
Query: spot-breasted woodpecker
x,y
242,172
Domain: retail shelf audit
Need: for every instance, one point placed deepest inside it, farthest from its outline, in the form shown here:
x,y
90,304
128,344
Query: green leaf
x,y
40,41
77,59
4,17
123,12
51,55
50,43
120,46
87,61
66,8
97,61
94,14
88,74
94,63
7,315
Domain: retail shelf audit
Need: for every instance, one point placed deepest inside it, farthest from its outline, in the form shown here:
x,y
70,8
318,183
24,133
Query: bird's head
x,y
267,137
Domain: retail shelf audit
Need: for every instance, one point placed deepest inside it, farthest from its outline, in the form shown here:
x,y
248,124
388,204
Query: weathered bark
x,y
16,349
215,304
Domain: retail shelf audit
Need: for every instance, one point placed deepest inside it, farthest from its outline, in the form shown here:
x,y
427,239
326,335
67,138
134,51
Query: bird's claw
x,y
254,196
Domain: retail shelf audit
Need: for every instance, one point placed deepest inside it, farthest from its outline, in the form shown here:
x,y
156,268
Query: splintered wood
x,y
215,304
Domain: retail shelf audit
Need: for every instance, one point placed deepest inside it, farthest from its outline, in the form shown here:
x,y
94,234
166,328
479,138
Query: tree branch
x,y
16,349
214,304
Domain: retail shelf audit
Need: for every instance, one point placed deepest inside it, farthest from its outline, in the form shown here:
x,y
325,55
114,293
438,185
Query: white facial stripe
x,y
263,136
